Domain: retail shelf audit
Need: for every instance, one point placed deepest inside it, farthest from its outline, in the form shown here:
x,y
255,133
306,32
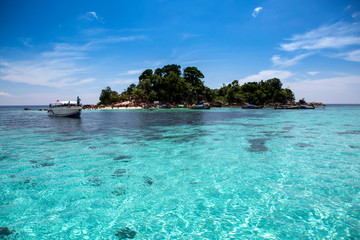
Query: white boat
x,y
64,109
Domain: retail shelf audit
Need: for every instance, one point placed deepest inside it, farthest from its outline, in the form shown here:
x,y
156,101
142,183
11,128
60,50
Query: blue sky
x,y
53,50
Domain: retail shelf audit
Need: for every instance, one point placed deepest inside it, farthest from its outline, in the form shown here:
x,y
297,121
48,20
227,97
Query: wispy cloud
x,y
338,35
71,49
44,72
321,43
62,65
26,42
256,11
154,63
335,40
133,72
356,15
278,61
343,89
348,8
5,94
353,56
265,75
61,50
91,16
313,73
116,39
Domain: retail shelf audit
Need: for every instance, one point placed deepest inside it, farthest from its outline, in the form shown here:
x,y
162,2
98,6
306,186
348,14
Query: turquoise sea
x,y
223,173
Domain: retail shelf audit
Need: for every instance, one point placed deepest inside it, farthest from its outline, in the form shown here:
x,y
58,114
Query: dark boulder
x,y
124,233
148,180
5,231
119,173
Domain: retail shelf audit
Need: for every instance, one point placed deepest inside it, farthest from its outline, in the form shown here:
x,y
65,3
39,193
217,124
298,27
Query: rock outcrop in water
x,y
258,145
119,172
148,180
5,231
123,158
124,233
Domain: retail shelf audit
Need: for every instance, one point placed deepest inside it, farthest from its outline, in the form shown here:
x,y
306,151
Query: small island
x,y
169,87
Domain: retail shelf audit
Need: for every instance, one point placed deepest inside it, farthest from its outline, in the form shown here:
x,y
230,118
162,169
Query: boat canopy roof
x,y
63,102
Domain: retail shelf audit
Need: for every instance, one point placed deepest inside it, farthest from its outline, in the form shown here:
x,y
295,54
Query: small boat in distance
x,y
306,107
286,107
295,107
64,109
201,106
250,106
165,106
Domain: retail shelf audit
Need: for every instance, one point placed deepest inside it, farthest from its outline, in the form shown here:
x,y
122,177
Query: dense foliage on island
x,y
171,85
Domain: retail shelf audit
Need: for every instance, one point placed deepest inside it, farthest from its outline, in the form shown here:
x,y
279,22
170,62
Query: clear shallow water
x,y
181,174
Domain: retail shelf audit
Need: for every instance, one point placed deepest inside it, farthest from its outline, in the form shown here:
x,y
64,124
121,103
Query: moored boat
x,y
306,107
165,106
64,109
250,106
295,107
200,106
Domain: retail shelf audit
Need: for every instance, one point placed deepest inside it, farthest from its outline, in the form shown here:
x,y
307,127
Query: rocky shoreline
x,y
133,105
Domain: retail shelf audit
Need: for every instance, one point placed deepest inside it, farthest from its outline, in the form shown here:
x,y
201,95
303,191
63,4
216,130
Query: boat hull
x,y
65,111
200,107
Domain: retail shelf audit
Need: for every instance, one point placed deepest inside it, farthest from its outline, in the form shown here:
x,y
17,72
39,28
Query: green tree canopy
x,y
193,76
146,74
259,93
169,85
108,96
166,70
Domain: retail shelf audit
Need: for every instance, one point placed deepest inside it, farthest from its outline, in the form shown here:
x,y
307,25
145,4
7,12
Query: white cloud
x,y
6,98
41,98
61,50
256,11
78,50
26,42
45,71
348,8
61,66
353,56
133,72
278,61
330,90
321,43
115,39
83,81
92,15
265,75
154,63
5,94
335,36
356,15
336,40
57,68
313,73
